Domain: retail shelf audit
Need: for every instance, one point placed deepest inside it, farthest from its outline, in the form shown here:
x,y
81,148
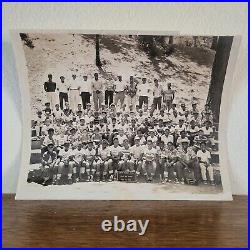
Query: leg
x,y
107,97
61,100
140,101
95,99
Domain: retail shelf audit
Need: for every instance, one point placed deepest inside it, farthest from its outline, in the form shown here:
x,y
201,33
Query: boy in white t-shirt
x,y
204,157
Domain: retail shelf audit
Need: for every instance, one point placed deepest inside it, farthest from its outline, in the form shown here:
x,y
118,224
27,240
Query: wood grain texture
x,y
78,223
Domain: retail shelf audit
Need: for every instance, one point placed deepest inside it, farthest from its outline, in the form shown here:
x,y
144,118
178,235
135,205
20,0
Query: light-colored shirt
x,y
120,86
157,91
63,87
204,156
97,85
143,89
86,86
74,84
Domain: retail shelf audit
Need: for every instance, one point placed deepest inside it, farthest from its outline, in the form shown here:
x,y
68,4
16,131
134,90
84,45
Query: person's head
x,y
47,122
50,77
72,131
79,106
162,145
113,120
183,106
184,144
50,131
66,145
201,132
119,78
79,146
160,123
74,76
50,147
150,144
183,134
96,130
137,140
116,141
121,132
156,82
125,143
192,123
203,146
57,106
167,131
139,132
181,121
85,78
131,79
170,145
96,76
194,105
90,145
66,105
169,85
62,78
104,143
208,124
151,133
144,80
195,114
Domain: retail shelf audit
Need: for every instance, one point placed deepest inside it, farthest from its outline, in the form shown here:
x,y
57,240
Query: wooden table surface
x,y
78,223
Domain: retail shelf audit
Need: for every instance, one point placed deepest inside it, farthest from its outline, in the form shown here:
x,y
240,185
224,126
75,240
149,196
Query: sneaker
x,y
182,181
70,181
205,182
212,183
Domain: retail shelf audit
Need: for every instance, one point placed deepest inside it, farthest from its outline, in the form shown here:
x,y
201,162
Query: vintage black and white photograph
x,y
123,116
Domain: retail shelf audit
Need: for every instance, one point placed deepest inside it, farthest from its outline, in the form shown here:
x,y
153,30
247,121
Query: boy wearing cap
x,y
65,164
137,152
63,89
204,157
106,162
50,89
78,154
126,164
49,159
187,163
115,155
89,156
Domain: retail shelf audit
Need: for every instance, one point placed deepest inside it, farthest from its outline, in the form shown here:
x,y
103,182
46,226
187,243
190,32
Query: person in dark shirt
x,y
50,89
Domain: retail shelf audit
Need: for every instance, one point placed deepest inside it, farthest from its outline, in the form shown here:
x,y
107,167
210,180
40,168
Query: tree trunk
x,y
97,49
171,40
214,42
218,74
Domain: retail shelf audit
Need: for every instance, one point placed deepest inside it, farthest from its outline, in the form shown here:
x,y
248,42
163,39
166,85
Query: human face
x,y
50,148
150,144
116,142
203,147
185,145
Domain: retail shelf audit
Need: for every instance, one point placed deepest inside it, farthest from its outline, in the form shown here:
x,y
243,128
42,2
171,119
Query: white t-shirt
x,y
74,84
121,138
114,151
78,154
143,89
149,153
204,156
207,131
136,151
166,139
86,86
65,154
63,87
120,86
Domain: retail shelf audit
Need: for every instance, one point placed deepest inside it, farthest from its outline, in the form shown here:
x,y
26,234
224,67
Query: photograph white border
x,y
92,191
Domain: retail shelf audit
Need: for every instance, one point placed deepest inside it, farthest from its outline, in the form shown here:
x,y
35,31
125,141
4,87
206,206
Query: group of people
x,y
157,140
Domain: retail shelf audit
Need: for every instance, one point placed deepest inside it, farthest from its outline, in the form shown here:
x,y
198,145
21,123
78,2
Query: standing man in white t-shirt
x,y
143,91
63,89
120,87
157,93
74,93
204,157
86,91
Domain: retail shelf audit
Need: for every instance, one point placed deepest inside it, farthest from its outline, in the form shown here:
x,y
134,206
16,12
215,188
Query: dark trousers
x,y
63,97
109,97
143,100
157,102
85,99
